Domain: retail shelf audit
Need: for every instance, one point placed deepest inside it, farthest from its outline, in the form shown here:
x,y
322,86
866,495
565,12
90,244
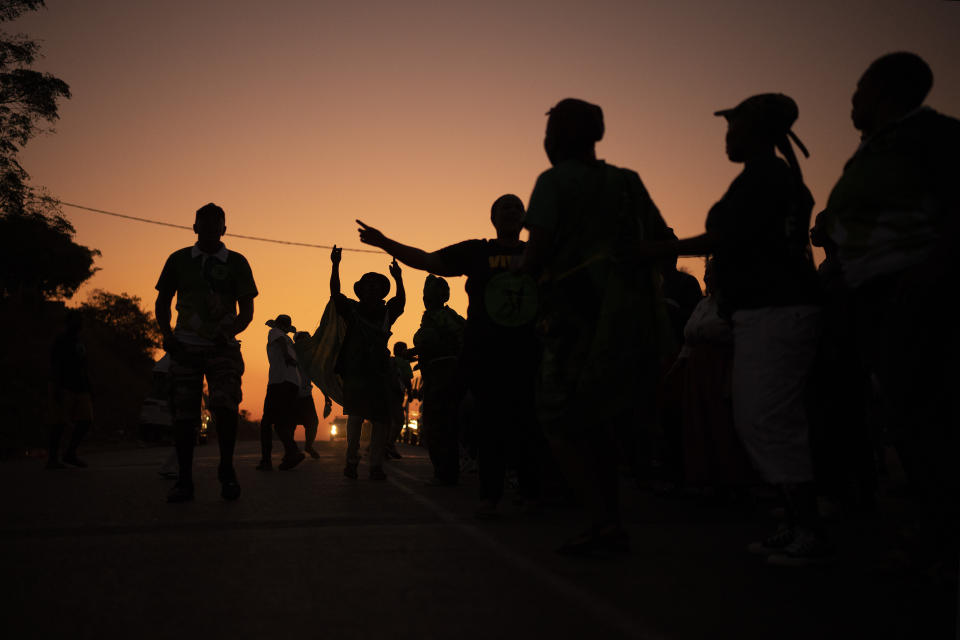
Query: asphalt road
x,y
97,553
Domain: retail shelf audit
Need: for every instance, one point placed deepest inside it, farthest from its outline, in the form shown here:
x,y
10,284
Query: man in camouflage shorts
x,y
211,283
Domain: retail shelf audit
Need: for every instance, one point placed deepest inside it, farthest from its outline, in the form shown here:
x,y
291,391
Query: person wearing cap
x,y
768,286
215,290
890,231
602,322
500,350
364,360
437,345
280,403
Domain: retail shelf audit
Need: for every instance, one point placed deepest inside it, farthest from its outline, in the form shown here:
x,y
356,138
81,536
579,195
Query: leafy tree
x,y
134,329
38,256
28,105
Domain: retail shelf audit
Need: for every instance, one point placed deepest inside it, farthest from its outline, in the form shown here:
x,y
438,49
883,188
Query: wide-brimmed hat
x,y
283,323
375,280
772,112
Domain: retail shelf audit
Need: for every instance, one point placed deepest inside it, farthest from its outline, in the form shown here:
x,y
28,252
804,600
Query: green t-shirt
x,y
207,288
602,320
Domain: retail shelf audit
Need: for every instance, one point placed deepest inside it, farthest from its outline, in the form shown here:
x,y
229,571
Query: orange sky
x,y
298,117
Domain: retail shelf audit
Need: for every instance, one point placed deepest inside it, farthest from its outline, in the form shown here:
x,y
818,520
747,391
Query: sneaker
x,y
775,543
265,465
376,473
807,548
75,461
350,471
313,452
55,464
486,510
393,454
180,492
289,463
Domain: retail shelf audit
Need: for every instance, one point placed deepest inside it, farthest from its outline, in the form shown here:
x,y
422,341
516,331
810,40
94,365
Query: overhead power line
x,y
188,228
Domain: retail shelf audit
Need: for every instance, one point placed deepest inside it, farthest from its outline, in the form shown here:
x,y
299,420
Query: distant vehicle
x,y
156,418
338,428
411,432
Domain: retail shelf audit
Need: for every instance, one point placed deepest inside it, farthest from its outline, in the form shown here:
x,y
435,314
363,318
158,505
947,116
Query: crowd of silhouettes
x,y
585,350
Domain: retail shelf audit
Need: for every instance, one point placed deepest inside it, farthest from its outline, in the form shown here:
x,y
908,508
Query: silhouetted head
x,y
400,349
760,124
891,87
506,214
436,292
300,336
73,322
371,287
283,323
573,129
210,224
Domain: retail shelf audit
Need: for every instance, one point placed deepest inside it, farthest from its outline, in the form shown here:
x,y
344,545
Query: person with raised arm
x,y
500,349
364,360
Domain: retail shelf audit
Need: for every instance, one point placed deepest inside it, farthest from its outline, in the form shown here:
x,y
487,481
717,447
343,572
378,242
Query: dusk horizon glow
x,y
299,118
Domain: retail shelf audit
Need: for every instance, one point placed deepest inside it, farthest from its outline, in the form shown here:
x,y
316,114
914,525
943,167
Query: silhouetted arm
x,y
539,245
701,245
161,310
401,296
335,271
245,317
410,256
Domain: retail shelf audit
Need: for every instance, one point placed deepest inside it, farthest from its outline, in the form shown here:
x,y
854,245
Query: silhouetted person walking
x,y
305,410
601,317
500,351
70,400
364,360
768,287
437,344
891,228
215,291
280,403
403,391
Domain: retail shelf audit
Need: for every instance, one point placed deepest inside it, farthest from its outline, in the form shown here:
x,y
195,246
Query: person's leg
x,y
307,416
584,459
186,375
492,461
56,430
354,426
395,425
80,429
774,352
266,431
378,441
224,371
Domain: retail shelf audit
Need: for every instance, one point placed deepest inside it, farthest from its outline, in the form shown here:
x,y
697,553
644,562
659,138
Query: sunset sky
x,y
299,116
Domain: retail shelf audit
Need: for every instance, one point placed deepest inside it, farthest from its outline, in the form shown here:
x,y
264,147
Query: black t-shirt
x,y
502,305
763,257
69,361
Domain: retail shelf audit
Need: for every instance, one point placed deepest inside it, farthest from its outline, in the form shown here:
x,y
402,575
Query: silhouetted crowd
x,y
584,350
